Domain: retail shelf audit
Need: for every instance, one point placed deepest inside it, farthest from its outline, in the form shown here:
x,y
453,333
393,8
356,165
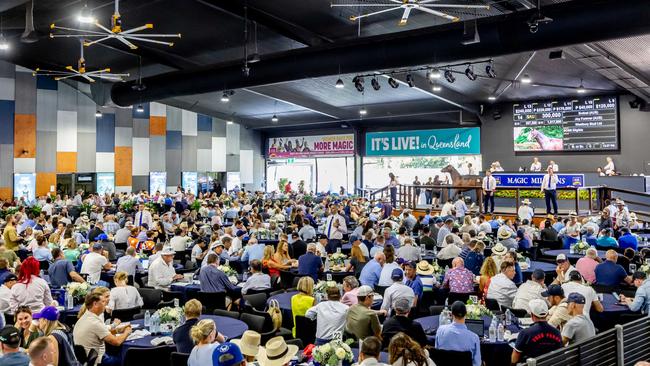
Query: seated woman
x,y
30,289
58,333
203,334
72,252
404,351
27,330
123,296
357,260
282,254
389,266
303,300
488,270
269,262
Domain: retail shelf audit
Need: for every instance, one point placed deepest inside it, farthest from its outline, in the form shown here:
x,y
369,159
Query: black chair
x,y
295,281
286,278
428,298
305,329
457,296
492,304
296,342
80,353
256,323
436,309
380,289
255,292
179,359
278,292
137,356
256,301
171,295
601,289
44,265
125,315
456,358
519,313
212,300
151,297
226,313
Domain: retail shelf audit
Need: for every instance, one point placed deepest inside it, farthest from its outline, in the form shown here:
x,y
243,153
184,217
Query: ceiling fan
x,y
71,72
116,31
408,5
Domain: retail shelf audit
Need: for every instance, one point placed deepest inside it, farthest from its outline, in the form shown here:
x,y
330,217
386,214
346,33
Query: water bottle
x,y
501,331
147,319
327,264
493,330
155,324
69,301
444,317
176,303
508,317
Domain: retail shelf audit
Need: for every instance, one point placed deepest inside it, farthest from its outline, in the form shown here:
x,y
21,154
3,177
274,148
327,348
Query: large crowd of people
x,y
56,241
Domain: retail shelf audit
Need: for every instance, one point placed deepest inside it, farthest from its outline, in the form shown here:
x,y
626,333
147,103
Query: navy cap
x,y
9,335
438,220
321,236
227,354
553,290
240,233
577,298
397,274
97,246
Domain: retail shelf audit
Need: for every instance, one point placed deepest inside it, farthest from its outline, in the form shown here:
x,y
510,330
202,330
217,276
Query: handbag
x,y
275,313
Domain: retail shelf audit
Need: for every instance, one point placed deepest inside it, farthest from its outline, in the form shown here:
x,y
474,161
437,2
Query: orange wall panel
x,y
43,183
123,166
25,136
66,162
157,126
5,193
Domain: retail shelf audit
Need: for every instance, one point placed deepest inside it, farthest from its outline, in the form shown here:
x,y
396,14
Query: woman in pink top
x,y
587,265
350,287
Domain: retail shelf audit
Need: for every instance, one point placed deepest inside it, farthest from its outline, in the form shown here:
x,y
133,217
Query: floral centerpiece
x,y
333,353
338,259
477,311
230,272
645,268
580,247
524,262
263,234
320,289
169,318
77,290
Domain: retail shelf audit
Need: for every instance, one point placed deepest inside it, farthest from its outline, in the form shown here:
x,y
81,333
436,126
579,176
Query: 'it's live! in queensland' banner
x,y
451,141
310,146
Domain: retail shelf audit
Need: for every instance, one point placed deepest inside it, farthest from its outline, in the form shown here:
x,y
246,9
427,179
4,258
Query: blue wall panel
x,y
7,108
106,133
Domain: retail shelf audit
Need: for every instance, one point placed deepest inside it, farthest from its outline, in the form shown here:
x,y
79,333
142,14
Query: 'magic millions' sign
x,y
452,141
535,180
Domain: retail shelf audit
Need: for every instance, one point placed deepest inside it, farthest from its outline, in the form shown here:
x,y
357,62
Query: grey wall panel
x,y
173,167
6,165
140,182
157,154
140,127
67,98
46,152
25,93
46,104
232,141
188,163
218,127
174,119
86,152
123,117
7,70
232,163
123,136
204,140
86,120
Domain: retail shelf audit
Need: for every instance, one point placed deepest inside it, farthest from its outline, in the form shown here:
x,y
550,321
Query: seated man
x,y
579,327
214,280
162,272
371,272
606,241
540,338
530,290
397,290
94,262
456,336
369,352
641,301
62,271
559,313
257,280
502,289
361,321
10,343
309,264
627,240
611,274
330,316
459,279
400,322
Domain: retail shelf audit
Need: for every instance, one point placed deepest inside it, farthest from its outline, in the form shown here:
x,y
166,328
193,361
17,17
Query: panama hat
x,y
424,268
499,249
276,352
503,233
249,343
481,235
526,201
167,251
376,210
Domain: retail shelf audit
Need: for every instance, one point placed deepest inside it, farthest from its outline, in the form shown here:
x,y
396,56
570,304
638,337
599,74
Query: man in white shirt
x,y
407,251
47,207
489,186
549,186
447,208
450,249
93,264
536,166
530,290
335,228
122,235
555,167
129,263
502,289
5,293
525,212
162,272
395,291
330,316
575,285
179,241
563,270
143,217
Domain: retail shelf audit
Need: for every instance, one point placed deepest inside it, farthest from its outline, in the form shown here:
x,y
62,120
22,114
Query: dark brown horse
x,y
459,181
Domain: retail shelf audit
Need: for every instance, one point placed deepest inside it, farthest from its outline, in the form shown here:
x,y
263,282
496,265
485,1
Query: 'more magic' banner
x,y
451,141
310,146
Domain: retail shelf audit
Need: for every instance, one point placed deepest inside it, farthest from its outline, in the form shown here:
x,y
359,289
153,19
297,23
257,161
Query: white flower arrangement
x,y
170,315
645,268
333,353
229,271
78,290
477,311
338,258
580,247
322,286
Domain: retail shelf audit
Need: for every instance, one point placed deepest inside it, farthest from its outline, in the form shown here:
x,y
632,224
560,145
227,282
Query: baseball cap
x,y
365,291
48,312
240,233
227,354
553,290
321,236
438,220
458,309
402,305
397,274
560,257
11,277
538,307
97,246
576,297
101,237
9,335
412,264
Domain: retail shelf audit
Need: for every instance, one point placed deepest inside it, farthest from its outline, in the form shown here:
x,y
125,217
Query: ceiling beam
x,y
516,69
197,107
267,20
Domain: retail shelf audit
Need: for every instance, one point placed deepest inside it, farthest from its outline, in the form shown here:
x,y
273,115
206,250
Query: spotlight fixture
x,y
363,111
434,74
339,84
139,108
436,88
344,125
98,114
358,83
225,98
229,122
86,15
274,119
393,83
4,44
492,97
489,71
581,89
375,84
469,72
450,76
409,80
526,79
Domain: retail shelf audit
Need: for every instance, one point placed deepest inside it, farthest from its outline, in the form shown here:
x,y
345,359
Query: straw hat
x,y
376,210
503,233
481,235
249,343
499,249
632,217
276,352
526,201
167,251
424,268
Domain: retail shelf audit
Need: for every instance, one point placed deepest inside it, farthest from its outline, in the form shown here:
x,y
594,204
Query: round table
x,y
229,327
570,256
492,353
610,316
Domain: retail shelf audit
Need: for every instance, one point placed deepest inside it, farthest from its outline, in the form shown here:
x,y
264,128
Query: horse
x,y
545,142
459,181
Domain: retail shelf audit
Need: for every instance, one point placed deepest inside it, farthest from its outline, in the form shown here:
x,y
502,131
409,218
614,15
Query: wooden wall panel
x,y
5,193
66,162
157,126
44,181
123,166
25,136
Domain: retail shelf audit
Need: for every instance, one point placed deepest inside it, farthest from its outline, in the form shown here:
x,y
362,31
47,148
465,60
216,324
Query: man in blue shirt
x,y
627,240
62,271
309,264
444,231
412,280
371,272
609,273
214,280
389,239
456,336
253,251
11,353
641,301
427,217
